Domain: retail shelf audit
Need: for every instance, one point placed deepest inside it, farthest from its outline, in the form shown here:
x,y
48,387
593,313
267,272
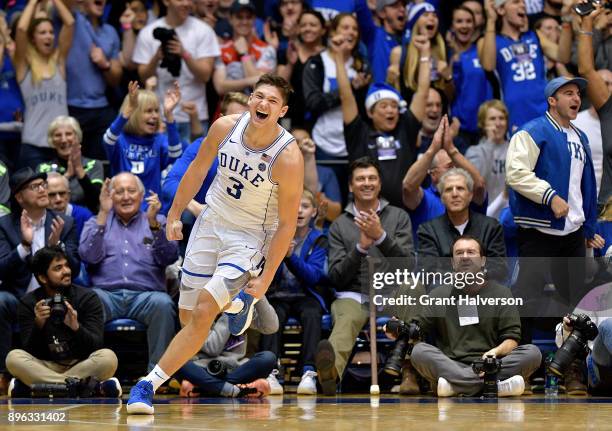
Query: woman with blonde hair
x,y
403,72
40,66
134,142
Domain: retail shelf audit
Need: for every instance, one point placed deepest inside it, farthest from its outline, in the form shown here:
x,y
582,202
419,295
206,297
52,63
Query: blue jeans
x,y
155,309
8,316
184,130
258,367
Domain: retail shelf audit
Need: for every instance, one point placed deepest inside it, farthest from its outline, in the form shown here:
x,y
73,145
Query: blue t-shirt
x,y
172,180
472,89
86,85
522,75
328,183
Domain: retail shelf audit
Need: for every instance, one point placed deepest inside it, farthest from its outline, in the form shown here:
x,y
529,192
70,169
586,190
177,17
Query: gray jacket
x,y
348,268
265,321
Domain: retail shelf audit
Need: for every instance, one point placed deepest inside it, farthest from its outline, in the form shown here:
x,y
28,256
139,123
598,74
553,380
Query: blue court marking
x,y
232,265
193,274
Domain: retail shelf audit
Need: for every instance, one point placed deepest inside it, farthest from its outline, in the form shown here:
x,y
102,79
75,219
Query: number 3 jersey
x,y
243,191
522,75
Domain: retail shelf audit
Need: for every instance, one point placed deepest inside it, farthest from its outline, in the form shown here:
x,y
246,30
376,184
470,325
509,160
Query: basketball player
x,y
250,217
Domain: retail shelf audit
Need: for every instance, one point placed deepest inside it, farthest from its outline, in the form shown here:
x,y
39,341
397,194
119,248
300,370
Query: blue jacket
x,y
309,266
553,166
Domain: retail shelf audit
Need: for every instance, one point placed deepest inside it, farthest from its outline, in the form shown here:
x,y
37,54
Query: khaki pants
x,y
349,316
101,364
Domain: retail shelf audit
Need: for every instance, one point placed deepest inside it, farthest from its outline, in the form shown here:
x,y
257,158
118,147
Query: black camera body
x,y
407,334
217,368
576,345
490,366
170,61
58,308
584,9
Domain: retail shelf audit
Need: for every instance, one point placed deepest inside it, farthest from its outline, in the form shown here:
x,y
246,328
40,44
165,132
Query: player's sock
x,y
157,377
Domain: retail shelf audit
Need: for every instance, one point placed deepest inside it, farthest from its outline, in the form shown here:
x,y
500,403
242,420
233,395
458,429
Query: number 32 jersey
x,y
522,74
243,191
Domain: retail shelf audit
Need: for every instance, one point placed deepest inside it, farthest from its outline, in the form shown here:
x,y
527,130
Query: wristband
x,y
425,59
245,57
566,18
126,26
588,33
186,56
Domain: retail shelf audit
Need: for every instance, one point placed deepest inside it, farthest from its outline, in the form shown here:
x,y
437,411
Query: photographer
x,y
62,330
465,334
187,41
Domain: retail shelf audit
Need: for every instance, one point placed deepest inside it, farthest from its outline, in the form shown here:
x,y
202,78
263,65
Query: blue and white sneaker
x,y
141,399
240,322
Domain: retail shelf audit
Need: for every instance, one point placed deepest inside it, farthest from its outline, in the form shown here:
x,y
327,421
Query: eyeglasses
x,y
38,186
60,194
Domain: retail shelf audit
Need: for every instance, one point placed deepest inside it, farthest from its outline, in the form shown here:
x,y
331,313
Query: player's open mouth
x,y
261,115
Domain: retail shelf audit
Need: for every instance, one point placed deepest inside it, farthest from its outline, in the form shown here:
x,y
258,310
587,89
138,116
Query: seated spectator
x,y
294,291
40,68
245,57
5,190
242,373
392,137
29,228
195,42
133,142
437,235
472,83
370,226
59,201
56,348
425,204
311,42
92,66
11,109
405,60
85,175
320,180
497,332
518,58
126,252
489,156
321,93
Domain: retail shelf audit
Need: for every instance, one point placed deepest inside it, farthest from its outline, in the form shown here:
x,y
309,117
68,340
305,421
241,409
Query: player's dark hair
x,y
363,163
42,259
276,81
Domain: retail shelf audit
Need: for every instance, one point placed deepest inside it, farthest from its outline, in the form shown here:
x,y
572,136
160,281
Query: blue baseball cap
x,y
554,84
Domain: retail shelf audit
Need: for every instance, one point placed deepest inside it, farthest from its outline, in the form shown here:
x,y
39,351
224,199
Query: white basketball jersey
x,y
243,191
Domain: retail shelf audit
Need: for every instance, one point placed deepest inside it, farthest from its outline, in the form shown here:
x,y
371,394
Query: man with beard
x,y
69,346
464,333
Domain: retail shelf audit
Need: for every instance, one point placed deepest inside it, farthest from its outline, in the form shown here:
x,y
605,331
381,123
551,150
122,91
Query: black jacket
x,y
436,237
87,339
14,272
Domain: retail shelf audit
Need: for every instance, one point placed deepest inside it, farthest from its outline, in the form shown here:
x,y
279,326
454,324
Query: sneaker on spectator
x,y
574,379
141,399
445,389
18,389
325,362
275,387
512,387
308,384
110,388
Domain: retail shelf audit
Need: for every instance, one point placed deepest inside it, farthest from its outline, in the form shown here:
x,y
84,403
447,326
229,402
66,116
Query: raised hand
x,y
171,99
127,17
57,225
153,208
422,44
132,104
27,230
106,201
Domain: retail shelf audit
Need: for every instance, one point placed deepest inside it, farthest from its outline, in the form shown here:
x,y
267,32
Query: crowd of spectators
x,y
421,123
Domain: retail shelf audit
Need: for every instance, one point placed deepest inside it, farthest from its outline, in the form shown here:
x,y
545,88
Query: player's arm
x,y
288,173
196,172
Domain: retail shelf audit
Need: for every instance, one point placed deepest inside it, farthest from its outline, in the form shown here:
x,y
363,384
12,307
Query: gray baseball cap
x,y
380,4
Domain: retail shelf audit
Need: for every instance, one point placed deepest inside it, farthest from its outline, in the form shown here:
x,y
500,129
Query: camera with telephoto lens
x,y
217,368
584,9
576,345
170,61
490,366
406,335
72,388
58,308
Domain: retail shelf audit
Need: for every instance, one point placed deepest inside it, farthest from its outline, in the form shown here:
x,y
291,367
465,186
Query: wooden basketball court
x,y
340,413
